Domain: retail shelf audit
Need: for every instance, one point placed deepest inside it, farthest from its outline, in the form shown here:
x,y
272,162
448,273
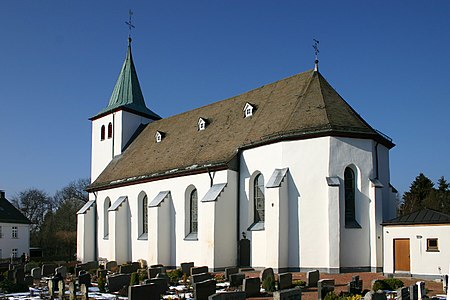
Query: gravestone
x,y
266,273
127,269
355,286
312,277
36,273
204,289
161,284
288,294
10,275
228,296
84,278
186,268
29,280
403,293
111,264
118,281
200,277
48,270
236,280
61,270
19,276
420,289
157,266
27,268
164,276
90,265
199,270
413,292
136,265
229,271
143,292
152,272
244,252
251,286
324,286
284,281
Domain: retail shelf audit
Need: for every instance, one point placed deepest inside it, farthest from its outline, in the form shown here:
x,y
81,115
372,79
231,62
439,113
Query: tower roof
x,y
299,107
127,94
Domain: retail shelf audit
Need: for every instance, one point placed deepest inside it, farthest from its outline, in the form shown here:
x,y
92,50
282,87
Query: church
x,y
287,176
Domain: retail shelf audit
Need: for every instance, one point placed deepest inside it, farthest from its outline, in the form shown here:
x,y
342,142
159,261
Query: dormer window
x,y
201,124
248,110
159,136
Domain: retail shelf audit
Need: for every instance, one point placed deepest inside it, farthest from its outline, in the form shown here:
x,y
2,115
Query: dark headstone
x,y
90,265
229,271
228,296
36,273
200,277
84,278
199,270
403,293
163,276
29,280
157,266
378,295
355,286
102,273
186,268
284,281
144,292
127,269
288,294
111,264
118,281
421,289
251,286
237,279
413,292
244,252
204,289
312,277
152,272
266,273
10,275
48,270
136,265
27,268
19,276
61,270
161,283
324,286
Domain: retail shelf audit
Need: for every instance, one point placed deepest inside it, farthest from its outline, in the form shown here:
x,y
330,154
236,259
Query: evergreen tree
x,y
413,200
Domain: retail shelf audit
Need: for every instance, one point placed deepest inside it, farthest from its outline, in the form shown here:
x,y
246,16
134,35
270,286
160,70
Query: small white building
x,y
14,230
287,176
417,244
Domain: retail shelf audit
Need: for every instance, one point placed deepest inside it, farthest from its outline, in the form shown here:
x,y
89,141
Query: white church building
x,y
287,176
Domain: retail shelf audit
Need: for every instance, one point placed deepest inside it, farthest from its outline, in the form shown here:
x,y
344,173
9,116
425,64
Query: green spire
x,y
127,92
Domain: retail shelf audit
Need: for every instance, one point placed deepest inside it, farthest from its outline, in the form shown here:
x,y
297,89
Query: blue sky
x,y
60,59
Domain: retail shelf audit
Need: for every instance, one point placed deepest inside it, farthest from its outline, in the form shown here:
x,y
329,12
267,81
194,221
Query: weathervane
x,y
130,25
316,52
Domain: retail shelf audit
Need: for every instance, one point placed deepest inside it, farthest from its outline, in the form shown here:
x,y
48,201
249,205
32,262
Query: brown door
x,y
401,255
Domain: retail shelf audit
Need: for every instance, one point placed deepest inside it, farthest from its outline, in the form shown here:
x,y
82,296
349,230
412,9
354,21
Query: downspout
x,y
95,228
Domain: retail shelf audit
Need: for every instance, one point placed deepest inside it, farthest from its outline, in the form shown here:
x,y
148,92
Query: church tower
x,y
114,127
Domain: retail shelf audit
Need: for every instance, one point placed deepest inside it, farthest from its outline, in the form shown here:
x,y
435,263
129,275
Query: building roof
x,y
424,216
127,94
298,107
10,214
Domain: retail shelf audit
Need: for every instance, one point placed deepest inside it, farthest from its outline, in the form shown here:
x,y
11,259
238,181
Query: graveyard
x,y
137,280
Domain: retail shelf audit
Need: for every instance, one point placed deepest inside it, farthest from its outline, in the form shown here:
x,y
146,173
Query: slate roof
x,y
424,216
127,93
298,107
10,214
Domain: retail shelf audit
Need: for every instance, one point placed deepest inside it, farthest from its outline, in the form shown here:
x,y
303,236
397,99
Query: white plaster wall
x,y
422,262
307,200
102,151
86,236
21,243
199,251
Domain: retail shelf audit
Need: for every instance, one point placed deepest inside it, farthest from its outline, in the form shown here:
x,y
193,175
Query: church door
x,y
244,253
401,255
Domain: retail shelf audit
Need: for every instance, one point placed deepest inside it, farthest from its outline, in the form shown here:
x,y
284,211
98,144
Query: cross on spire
x,y
130,25
316,52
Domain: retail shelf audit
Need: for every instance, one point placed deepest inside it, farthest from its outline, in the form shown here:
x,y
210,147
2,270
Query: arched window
x,y
106,206
110,130
193,215
145,215
350,191
102,133
142,213
258,198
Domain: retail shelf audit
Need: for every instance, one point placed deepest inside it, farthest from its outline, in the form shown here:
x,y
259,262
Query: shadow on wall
x,y
294,223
